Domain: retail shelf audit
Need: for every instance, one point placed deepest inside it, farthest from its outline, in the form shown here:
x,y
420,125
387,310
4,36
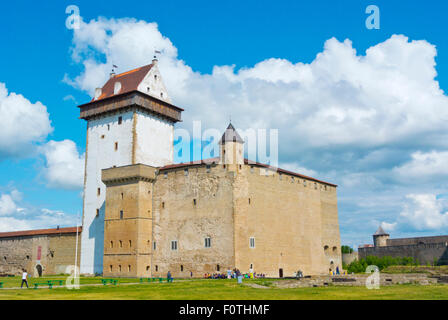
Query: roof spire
x,y
231,135
380,232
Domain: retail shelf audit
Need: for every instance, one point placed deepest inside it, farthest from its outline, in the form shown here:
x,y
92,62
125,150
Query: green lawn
x,y
217,290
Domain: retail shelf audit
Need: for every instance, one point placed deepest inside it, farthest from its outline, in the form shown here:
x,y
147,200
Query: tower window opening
x,y
147,268
120,120
121,244
97,212
154,245
252,242
157,268
129,268
174,245
249,200
194,202
116,146
110,268
161,94
119,268
186,172
122,196
121,214
181,268
217,267
130,243
98,191
163,205
111,244
208,242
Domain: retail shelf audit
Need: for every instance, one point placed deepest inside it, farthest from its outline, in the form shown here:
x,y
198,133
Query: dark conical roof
x,y
380,232
230,135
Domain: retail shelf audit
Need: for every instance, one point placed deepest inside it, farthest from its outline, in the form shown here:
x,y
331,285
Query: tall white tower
x,y
130,120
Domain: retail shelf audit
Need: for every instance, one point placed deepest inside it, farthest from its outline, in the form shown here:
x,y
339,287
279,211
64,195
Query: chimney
x,y
154,61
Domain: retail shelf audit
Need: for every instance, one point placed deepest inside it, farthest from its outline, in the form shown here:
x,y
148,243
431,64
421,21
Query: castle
x,y
425,250
143,215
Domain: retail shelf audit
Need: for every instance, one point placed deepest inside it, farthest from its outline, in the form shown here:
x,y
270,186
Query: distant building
x,y
423,249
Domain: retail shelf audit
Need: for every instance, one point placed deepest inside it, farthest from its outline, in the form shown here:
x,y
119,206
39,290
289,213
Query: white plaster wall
x,y
155,85
101,154
154,140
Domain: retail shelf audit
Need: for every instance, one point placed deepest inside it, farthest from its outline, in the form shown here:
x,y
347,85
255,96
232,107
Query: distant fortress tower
x,y
130,120
380,238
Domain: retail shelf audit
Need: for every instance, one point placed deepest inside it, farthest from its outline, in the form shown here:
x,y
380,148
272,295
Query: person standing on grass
x,y
24,278
168,277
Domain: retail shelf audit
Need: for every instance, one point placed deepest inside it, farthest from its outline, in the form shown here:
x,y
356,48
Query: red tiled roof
x,y
246,161
39,232
129,82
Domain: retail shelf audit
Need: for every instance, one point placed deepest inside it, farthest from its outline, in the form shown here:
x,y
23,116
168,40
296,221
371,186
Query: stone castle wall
x,y
424,253
53,253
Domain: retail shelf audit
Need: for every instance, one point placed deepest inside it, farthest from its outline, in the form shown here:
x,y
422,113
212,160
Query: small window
x,y
108,127
304,183
251,266
161,94
194,202
121,214
130,243
148,89
181,268
147,268
163,205
129,268
208,168
120,120
102,136
186,172
116,146
111,244
240,167
28,257
119,268
252,242
110,268
157,268
165,175
251,169
174,245
121,244
208,242
97,212
217,267
334,249
292,179
155,77
122,196
154,245
249,200
98,191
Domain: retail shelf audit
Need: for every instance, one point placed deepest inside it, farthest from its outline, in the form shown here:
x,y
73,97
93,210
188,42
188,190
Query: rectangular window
x,y
121,214
154,245
120,120
251,169
194,202
208,168
174,245
116,146
208,242
186,172
252,242
98,191
97,212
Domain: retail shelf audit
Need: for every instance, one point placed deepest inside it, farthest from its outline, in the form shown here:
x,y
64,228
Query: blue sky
x,y
37,55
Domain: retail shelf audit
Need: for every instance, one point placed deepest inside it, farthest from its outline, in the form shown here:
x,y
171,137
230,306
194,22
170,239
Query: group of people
x,y
234,274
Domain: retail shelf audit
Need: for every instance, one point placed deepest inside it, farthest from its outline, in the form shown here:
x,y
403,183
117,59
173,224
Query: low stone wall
x,y
357,280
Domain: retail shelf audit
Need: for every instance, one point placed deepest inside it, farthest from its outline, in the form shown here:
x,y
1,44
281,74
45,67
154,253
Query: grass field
x,y
215,290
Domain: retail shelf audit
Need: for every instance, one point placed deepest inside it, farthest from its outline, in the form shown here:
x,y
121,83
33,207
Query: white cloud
x,y
64,165
424,166
339,99
14,215
425,211
24,123
388,227
294,167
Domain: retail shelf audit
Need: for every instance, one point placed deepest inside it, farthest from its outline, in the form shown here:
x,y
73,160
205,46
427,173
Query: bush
x,y
346,249
360,265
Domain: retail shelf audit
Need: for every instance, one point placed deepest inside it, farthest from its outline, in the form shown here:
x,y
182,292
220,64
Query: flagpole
x,y
76,249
